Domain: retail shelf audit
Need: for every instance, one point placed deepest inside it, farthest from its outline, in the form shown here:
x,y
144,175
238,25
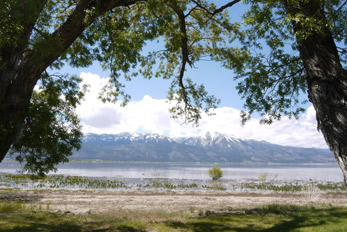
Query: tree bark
x,y
14,94
326,78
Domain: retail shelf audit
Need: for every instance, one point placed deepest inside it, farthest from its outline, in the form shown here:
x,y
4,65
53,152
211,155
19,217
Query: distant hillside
x,y
211,147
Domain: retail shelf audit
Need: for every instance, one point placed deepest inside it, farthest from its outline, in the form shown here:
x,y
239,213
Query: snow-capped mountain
x,y
123,138
210,147
209,139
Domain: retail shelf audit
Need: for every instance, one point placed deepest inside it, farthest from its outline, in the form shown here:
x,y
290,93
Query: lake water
x,y
318,173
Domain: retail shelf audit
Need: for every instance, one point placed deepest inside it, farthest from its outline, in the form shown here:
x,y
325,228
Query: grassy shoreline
x,y
15,217
139,211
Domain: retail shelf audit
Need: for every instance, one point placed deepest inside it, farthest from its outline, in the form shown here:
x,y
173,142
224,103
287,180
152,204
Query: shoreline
x,y
9,160
157,184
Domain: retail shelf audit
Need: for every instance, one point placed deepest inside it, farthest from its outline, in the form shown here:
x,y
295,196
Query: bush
x,y
215,173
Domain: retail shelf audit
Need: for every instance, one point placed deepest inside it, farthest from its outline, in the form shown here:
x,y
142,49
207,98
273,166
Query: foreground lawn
x,y
18,217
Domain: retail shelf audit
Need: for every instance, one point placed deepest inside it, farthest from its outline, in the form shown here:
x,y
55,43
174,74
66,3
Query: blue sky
x,y
148,110
217,80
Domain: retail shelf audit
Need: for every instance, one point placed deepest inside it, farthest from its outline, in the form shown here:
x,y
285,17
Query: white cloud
x,y
152,115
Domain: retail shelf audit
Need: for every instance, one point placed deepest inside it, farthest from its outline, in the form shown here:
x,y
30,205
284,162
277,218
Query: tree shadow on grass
x,y
58,222
283,223
201,225
65,227
31,227
316,219
124,228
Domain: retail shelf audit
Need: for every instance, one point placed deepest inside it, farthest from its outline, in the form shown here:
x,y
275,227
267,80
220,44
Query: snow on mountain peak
x,y
205,139
207,147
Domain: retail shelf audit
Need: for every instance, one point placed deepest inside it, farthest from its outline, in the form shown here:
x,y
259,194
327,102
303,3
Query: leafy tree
x,y
296,47
215,173
37,36
306,44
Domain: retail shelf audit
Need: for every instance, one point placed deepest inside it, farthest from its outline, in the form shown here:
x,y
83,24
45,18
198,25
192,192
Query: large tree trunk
x,y
16,79
326,79
13,112
14,105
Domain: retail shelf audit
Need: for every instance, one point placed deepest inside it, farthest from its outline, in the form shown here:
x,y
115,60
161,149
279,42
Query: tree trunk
x,y
14,104
16,84
11,119
326,79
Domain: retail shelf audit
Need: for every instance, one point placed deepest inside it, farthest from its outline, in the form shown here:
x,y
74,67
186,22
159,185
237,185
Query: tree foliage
x,y
215,173
273,79
305,50
51,130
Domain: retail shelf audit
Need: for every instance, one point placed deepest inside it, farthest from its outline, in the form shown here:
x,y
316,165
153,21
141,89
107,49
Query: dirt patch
x,y
110,201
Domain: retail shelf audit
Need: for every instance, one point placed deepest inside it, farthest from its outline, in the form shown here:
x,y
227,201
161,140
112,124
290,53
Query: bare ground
x,y
170,202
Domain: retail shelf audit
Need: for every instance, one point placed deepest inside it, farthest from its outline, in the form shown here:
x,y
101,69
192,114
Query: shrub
x,y
215,173
263,176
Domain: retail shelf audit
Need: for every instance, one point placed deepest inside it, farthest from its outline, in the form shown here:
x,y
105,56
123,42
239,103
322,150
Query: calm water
x,y
320,173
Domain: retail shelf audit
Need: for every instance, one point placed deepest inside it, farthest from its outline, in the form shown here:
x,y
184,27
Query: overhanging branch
x,y
218,10
62,38
184,50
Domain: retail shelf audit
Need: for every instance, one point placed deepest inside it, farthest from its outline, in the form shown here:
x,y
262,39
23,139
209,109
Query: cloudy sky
x,y
147,114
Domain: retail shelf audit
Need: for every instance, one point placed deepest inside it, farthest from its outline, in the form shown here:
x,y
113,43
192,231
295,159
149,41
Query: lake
x,y
317,173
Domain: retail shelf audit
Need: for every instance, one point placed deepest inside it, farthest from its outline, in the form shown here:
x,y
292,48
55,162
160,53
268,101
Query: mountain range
x,y
210,147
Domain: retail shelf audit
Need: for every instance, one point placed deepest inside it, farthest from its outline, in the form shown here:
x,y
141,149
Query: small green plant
x,y
201,213
215,173
311,191
208,213
263,176
192,209
48,205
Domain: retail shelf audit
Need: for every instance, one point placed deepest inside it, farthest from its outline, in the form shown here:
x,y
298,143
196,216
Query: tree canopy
x,y
306,40
215,173
39,36
274,77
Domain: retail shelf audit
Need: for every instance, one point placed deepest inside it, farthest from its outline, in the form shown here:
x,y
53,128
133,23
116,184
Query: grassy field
x,y
18,216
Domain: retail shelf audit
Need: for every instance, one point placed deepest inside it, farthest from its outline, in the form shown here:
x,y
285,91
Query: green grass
x,y
273,218
18,206
10,207
269,218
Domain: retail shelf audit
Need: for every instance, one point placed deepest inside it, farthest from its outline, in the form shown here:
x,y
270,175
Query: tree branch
x,y
230,4
184,50
191,10
66,34
218,10
343,4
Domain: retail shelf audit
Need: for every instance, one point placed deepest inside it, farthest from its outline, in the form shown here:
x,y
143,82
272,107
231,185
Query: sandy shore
x,y
170,202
